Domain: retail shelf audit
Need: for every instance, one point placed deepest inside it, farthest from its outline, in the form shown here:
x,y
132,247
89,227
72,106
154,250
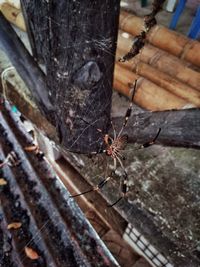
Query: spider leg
x,y
114,131
123,190
95,188
114,165
115,202
120,155
150,143
123,184
98,152
129,110
121,163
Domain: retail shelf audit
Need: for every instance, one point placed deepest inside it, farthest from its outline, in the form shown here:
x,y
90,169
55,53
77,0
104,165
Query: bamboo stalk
x,y
148,95
163,38
163,80
13,15
162,61
167,82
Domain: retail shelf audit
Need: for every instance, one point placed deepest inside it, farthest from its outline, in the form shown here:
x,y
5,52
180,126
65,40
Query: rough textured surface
x,y
141,263
163,198
178,127
76,40
51,222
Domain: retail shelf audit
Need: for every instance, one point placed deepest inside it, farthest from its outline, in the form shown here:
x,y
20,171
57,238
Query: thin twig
x,y
139,40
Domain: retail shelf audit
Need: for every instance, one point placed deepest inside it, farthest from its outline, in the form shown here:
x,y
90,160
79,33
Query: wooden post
x,y
76,41
26,66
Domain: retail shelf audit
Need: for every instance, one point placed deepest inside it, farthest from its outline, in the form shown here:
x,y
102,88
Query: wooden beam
x,y
178,127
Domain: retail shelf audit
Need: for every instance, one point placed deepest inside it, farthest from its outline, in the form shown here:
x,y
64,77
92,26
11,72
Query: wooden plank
x,y
93,201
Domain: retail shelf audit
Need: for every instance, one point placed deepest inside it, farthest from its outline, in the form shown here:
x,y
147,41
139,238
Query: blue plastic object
x,y
179,9
194,30
143,3
14,109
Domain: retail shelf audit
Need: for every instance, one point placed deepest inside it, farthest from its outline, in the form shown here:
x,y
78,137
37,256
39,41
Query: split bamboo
x,y
162,61
148,95
13,15
163,38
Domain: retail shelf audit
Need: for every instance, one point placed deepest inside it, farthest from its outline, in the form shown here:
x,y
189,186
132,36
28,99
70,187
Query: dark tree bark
x,y
76,40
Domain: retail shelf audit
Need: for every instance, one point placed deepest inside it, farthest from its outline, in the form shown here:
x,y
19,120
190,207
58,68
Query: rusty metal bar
x,y
52,224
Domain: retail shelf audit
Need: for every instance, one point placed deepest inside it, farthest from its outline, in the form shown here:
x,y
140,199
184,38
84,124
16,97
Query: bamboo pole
x,y
163,38
167,82
148,95
162,61
13,15
163,80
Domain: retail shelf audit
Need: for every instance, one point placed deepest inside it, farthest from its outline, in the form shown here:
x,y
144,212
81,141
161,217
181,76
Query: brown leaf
x,y
3,181
31,254
30,148
14,225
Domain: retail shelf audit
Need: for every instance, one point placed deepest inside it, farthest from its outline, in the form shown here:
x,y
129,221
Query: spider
x,y
114,147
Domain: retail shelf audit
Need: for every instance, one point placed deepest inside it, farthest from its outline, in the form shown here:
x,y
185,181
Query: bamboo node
x,y
153,32
186,48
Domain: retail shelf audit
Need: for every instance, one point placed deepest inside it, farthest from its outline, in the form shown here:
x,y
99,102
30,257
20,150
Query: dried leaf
x,y
14,225
30,148
31,254
3,181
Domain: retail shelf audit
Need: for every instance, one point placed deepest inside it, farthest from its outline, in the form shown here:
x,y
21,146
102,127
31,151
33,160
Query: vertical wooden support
x,y
27,68
77,42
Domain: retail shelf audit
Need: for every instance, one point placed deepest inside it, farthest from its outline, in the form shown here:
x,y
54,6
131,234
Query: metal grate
x,y
144,248
52,223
